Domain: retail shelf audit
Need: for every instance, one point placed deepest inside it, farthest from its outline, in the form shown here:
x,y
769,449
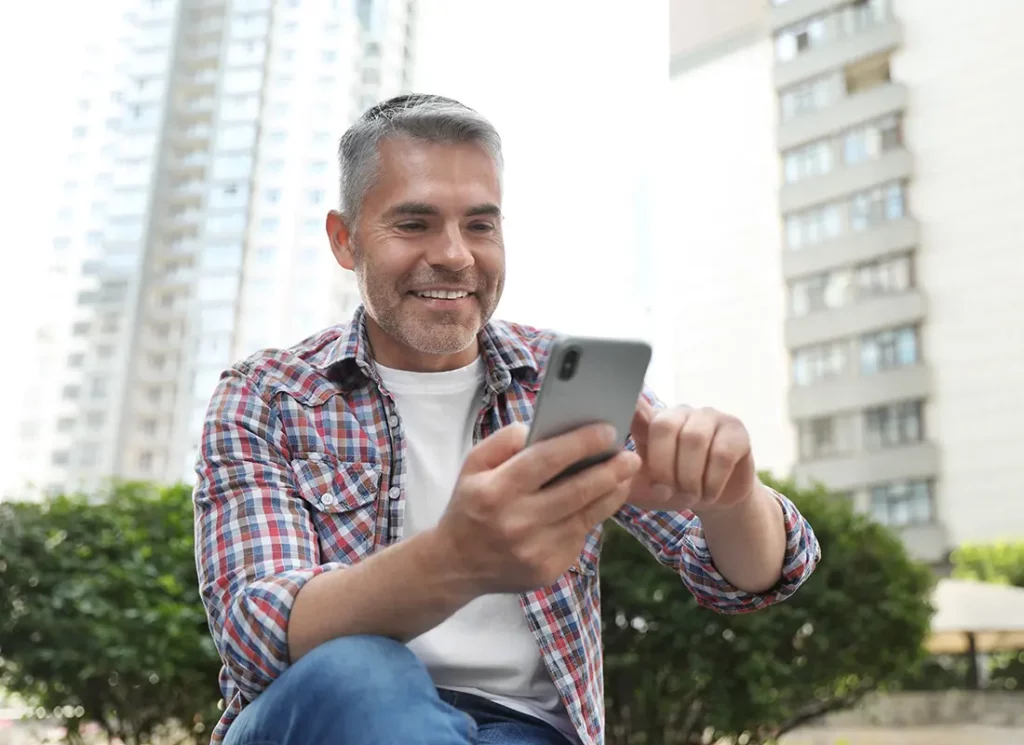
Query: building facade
x,y
895,162
194,234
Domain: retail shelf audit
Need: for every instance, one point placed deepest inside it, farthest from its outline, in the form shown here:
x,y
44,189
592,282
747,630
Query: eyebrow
x,y
405,209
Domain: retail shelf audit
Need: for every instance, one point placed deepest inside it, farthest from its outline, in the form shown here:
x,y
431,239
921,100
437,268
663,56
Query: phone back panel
x,y
605,386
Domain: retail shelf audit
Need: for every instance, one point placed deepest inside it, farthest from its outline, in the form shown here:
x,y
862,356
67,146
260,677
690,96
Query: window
x,y
273,166
148,426
70,392
316,196
894,425
269,224
228,196
95,419
821,292
867,74
799,38
80,329
884,350
65,424
819,363
266,254
240,108
236,137
146,460
872,140
247,52
272,196
232,167
60,457
76,360
104,352
879,205
902,503
885,277
330,56
861,15
825,437
98,388
808,161
809,96
229,223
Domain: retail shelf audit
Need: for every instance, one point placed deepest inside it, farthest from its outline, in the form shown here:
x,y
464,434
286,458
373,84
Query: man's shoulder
x,y
300,369
534,341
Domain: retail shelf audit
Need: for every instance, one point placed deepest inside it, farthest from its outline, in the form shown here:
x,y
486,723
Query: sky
x,y
573,87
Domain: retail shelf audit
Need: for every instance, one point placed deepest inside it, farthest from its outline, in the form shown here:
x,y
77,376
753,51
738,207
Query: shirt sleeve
x,y
255,543
677,541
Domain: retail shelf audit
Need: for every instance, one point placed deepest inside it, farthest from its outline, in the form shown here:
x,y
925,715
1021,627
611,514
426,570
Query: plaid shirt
x,y
302,471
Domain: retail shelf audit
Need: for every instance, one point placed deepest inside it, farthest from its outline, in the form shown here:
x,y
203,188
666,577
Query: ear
x,y
339,233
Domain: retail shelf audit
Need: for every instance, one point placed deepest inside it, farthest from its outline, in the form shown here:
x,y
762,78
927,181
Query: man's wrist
x,y
760,502
443,562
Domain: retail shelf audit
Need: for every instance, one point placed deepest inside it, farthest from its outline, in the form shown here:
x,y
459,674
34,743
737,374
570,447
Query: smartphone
x,y
586,381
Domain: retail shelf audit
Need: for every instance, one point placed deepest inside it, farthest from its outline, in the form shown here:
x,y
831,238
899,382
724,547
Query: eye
x,y
481,227
412,226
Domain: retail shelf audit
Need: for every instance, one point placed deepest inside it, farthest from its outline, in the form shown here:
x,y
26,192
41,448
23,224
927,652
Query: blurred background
x,y
810,207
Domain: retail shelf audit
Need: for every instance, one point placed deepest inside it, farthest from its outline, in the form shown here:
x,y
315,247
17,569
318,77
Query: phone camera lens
x,y
570,361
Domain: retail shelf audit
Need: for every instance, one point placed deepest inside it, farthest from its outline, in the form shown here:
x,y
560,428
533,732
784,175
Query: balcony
x,y
848,473
852,248
843,181
885,99
793,11
839,51
856,392
856,319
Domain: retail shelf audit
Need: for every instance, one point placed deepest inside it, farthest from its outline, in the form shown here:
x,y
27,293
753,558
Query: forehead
x,y
447,176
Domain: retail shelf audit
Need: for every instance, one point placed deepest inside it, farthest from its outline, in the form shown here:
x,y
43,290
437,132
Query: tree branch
x,y
818,709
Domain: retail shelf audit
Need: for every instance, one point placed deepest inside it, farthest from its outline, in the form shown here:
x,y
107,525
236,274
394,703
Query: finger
x,y
660,457
641,424
603,508
531,468
496,449
576,494
693,447
731,444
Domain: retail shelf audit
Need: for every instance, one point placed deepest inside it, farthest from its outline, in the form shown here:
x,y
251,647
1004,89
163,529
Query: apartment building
x,y
191,232
893,129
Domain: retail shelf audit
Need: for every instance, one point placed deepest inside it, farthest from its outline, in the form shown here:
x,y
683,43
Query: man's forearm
x,y
399,592
748,542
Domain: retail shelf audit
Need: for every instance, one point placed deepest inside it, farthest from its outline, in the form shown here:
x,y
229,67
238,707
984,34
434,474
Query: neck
x,y
391,353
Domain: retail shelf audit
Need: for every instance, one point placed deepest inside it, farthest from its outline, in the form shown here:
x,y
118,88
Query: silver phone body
x,y
604,385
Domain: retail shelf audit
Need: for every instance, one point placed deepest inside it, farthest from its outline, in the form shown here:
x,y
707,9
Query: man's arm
x,y
267,596
732,562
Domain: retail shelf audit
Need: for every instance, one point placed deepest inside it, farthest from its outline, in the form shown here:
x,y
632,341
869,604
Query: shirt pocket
x,y
342,501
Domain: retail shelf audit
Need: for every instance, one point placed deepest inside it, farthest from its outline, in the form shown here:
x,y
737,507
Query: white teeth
x,y
443,294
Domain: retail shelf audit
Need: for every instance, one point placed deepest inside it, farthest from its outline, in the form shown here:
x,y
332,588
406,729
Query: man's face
x,y
427,251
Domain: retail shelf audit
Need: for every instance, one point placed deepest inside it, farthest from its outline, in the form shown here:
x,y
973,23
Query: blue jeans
x,y
368,690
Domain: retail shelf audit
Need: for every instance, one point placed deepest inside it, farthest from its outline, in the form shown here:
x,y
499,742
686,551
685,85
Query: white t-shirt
x,y
486,648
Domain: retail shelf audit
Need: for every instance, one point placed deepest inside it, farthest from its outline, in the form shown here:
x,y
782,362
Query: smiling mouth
x,y
442,294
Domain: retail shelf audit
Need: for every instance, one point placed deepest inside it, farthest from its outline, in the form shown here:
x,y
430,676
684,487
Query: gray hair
x,y
417,116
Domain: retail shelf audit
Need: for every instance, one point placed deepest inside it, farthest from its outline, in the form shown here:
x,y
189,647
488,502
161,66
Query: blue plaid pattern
x,y
301,471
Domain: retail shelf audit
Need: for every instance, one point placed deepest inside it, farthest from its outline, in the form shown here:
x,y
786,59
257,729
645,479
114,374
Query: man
x,y
378,556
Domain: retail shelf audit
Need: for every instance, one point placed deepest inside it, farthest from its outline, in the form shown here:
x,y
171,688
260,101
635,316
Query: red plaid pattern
x,y
301,471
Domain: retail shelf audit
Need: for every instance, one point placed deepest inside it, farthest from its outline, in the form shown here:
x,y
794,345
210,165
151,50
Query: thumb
x,y
497,448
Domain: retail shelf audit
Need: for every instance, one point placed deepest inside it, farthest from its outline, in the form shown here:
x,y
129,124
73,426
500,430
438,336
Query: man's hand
x,y
505,531
695,459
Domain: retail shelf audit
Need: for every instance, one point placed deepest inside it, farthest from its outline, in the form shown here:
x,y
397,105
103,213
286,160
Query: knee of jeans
x,y
373,667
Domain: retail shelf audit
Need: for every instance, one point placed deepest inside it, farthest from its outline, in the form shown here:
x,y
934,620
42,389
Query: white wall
x,y
964,65
720,270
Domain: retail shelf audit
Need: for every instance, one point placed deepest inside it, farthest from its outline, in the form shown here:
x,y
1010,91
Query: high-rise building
x,y
191,231
894,165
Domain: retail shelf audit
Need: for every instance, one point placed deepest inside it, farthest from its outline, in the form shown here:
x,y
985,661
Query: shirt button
x,y
327,499
393,421
394,492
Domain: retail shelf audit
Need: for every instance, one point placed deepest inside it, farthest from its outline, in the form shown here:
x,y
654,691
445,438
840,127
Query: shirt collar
x,y
348,359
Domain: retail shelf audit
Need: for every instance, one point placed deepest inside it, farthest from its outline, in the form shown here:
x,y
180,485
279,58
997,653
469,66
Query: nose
x,y
451,251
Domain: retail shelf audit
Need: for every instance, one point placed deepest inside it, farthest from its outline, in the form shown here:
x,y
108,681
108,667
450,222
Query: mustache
x,y
466,279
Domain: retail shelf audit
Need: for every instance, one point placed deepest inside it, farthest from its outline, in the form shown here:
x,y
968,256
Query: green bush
x,y
100,616
675,672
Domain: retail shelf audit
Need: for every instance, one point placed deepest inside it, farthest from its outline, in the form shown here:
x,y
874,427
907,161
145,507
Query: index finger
x,y
641,425
533,467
